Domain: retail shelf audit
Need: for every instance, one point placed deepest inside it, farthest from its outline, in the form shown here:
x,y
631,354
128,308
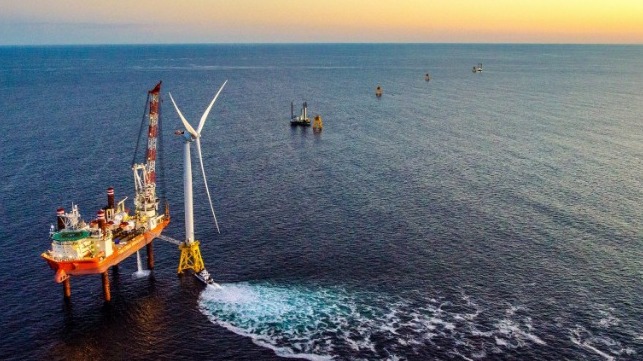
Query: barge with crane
x,y
79,248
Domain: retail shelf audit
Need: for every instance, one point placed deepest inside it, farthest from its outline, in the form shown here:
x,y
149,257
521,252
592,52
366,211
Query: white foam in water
x,y
596,339
577,338
604,346
325,324
140,273
215,286
607,319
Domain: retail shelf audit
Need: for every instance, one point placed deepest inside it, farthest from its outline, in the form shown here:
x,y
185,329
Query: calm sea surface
x,y
488,216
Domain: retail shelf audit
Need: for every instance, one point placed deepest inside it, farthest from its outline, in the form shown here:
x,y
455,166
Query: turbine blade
x,y
187,125
207,111
205,182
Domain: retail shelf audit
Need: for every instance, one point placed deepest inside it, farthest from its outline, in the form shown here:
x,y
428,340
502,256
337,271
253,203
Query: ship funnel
x,y
60,216
100,216
110,198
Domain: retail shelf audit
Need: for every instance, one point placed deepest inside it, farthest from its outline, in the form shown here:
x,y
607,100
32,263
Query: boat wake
x,y
215,286
596,339
324,324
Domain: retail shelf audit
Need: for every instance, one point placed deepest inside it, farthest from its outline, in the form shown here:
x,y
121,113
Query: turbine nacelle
x,y
185,135
197,133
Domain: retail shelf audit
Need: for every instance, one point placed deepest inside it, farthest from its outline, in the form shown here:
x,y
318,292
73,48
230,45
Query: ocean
x,y
477,216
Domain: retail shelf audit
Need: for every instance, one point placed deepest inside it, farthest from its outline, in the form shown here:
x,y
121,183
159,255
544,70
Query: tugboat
x,y
301,119
204,276
378,91
478,68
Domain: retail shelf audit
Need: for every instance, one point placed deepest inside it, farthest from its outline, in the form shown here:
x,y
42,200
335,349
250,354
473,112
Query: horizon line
x,y
316,43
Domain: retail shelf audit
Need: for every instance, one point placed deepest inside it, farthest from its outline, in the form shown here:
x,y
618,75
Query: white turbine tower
x,y
190,252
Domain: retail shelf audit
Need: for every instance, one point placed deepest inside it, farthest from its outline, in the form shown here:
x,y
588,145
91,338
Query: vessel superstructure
x,y
301,119
477,68
80,248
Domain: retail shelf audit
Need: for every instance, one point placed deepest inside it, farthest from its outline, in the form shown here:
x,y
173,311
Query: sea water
x,y
477,216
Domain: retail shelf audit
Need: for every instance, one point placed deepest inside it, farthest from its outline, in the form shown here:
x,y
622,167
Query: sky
x,y
54,22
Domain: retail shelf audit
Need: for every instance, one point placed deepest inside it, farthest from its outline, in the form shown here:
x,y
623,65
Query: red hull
x,y
96,265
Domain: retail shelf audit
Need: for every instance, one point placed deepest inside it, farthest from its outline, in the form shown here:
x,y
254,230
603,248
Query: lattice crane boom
x,y
146,201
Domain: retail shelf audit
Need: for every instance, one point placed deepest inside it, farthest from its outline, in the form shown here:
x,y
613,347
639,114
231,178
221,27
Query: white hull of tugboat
x,y
204,277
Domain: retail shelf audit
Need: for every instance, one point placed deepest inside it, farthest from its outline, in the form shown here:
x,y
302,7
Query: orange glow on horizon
x,y
616,21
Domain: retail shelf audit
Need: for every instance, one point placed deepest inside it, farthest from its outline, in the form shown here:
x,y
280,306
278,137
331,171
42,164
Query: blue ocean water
x,y
488,216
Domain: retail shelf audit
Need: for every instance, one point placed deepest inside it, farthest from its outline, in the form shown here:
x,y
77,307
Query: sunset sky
x,y
27,22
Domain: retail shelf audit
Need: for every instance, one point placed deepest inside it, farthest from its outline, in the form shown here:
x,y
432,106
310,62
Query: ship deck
x,y
98,264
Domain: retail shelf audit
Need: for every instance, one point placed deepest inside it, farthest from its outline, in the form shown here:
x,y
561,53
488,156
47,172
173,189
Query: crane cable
x,y
140,132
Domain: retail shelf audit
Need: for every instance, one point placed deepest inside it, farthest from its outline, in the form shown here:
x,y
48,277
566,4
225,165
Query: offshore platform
x,y
79,248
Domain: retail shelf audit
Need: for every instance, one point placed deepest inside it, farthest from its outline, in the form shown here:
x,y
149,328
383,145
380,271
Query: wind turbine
x,y
190,252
